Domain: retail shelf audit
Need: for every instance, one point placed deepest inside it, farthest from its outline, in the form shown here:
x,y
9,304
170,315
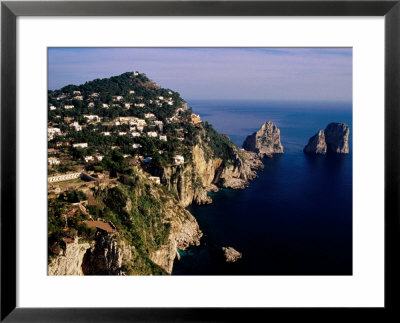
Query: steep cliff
x,y
69,261
150,225
334,139
265,142
337,137
107,256
191,181
184,232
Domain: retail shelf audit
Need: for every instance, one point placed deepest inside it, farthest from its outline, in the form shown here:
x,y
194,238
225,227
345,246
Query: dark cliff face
x,y
334,139
337,137
265,142
106,257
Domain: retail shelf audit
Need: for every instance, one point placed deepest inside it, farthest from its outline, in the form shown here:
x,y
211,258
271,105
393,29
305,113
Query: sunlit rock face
x,y
266,141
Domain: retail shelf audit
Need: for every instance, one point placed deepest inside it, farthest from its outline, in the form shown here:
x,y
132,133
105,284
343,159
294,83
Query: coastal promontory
x,y
266,141
125,158
334,139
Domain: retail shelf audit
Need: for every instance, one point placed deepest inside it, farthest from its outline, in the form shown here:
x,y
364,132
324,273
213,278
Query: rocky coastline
x,y
110,254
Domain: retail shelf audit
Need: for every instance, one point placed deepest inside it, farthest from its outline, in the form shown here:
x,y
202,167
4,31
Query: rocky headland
x,y
128,216
265,142
334,139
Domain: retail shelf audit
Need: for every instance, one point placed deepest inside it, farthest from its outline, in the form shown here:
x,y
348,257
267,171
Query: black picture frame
x,y
10,10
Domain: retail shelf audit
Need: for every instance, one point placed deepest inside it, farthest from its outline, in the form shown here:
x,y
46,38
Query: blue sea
x,y
296,217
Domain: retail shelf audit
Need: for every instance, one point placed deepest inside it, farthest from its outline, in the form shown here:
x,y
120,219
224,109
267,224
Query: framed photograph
x,y
199,160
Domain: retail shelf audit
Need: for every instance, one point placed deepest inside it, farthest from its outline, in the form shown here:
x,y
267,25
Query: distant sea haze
x,y
296,217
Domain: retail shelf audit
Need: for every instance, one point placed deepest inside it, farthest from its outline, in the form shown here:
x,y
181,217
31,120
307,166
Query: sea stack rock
x,y
334,139
316,144
266,141
230,254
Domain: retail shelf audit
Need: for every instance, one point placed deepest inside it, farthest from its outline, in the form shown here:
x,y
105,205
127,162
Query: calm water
x,y
296,217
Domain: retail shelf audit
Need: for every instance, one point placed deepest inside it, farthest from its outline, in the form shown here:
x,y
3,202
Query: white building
x,y
52,132
135,146
63,177
149,115
163,138
94,95
61,97
99,157
53,161
137,122
141,122
80,145
106,133
76,126
127,105
159,124
78,97
135,73
152,134
161,98
91,105
121,133
140,105
52,107
117,123
88,159
139,128
178,159
68,107
76,93
131,92
132,129
91,117
105,105
135,134
117,97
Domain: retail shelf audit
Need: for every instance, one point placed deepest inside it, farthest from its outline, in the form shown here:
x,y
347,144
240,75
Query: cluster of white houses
x,y
116,100
149,126
52,132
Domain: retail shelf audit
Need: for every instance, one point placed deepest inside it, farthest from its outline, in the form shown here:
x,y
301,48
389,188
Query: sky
x,y
287,74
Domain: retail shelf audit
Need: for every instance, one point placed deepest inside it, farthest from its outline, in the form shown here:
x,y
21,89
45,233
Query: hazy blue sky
x,y
306,74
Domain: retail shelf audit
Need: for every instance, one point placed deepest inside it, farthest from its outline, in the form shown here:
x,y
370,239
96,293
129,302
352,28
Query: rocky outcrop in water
x,y
265,142
334,139
316,144
230,254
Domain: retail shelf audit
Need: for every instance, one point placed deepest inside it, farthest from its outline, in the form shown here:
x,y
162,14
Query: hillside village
x,y
90,131
125,157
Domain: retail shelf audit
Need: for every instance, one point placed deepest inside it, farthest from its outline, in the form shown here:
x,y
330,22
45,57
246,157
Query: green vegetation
x,y
115,147
66,222
219,146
